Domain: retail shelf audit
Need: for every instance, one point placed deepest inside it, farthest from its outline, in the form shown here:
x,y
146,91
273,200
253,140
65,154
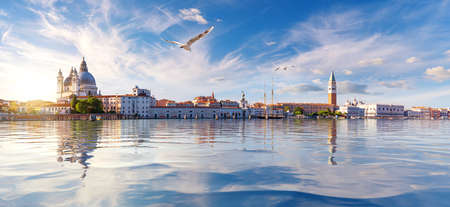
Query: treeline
x,y
86,106
323,113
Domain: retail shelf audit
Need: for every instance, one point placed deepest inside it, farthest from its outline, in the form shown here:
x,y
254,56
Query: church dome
x,y
68,80
86,78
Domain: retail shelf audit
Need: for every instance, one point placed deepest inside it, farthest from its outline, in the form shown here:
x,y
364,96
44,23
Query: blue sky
x,y
382,51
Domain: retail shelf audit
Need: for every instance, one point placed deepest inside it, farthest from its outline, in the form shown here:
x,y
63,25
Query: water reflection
x,y
221,162
332,141
76,141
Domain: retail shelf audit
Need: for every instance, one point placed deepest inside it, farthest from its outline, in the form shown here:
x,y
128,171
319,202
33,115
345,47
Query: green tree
x,y
286,108
91,105
13,107
73,103
82,107
325,113
298,111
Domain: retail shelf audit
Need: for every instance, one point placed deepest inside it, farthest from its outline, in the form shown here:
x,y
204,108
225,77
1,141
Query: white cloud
x,y
3,13
43,3
438,73
317,81
396,84
337,47
192,14
412,60
347,87
369,62
317,72
5,35
219,20
348,72
156,20
216,79
117,61
447,52
270,43
300,88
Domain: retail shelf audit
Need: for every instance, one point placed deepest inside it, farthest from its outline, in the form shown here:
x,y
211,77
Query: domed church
x,y
82,84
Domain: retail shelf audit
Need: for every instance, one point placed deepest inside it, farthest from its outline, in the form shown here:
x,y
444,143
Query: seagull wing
x,y
174,42
201,35
278,68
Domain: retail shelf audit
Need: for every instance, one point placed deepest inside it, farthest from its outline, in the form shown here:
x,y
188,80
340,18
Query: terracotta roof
x,y
58,105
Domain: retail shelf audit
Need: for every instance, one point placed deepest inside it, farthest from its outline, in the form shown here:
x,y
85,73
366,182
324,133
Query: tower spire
x,y
332,90
83,66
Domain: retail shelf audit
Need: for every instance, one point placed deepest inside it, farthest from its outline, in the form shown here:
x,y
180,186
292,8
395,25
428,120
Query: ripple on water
x,y
225,163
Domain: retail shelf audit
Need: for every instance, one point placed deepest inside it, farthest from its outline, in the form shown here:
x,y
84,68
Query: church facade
x,y
79,84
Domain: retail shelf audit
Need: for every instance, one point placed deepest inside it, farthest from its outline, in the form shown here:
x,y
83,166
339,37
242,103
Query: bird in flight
x,y
285,67
188,44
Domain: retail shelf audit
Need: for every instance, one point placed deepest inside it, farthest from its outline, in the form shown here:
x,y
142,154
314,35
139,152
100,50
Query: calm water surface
x,y
225,163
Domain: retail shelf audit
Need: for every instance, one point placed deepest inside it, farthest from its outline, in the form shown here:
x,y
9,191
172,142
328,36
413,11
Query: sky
x,y
393,52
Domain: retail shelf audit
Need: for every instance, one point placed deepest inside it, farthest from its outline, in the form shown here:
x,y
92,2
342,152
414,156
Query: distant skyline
x,y
394,52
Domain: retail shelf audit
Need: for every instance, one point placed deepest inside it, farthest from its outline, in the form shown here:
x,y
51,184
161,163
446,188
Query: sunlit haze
x,y
381,51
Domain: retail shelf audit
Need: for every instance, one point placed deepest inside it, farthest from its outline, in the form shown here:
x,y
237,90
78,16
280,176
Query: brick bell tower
x,y
332,90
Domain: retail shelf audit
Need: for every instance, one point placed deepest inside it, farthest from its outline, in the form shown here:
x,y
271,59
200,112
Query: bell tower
x,y
75,82
59,85
332,90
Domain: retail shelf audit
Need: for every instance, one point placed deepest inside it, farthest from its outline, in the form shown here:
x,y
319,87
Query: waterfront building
x,y
4,105
195,112
444,113
82,84
164,102
422,112
201,107
138,103
332,99
243,103
352,110
413,114
229,104
382,110
206,101
57,108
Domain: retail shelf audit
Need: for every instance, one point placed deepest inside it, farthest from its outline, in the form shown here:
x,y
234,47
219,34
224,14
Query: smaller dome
x,y
68,80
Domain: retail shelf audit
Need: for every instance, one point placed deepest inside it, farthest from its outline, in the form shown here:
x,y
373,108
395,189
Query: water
x,y
225,163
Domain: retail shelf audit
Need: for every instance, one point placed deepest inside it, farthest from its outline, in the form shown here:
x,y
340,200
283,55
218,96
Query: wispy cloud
x,y
192,14
412,60
348,72
396,84
3,13
270,43
317,71
374,61
113,55
155,20
300,88
336,46
347,87
5,35
438,73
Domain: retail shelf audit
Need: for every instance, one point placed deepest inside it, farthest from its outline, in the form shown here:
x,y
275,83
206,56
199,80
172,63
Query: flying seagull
x,y
188,44
284,67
